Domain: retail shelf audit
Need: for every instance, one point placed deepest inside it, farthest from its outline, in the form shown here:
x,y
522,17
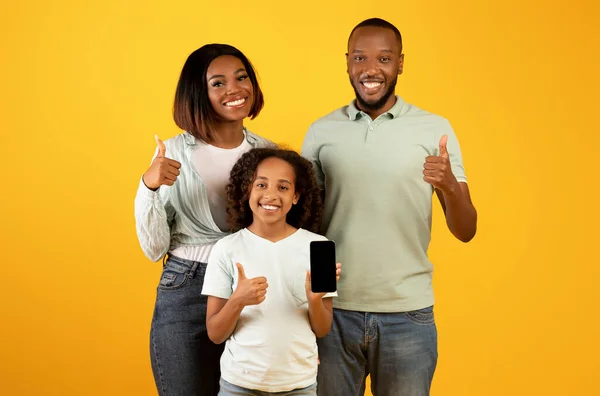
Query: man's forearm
x,y
461,216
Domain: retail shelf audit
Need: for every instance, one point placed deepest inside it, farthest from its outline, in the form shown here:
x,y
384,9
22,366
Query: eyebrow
x,y
280,180
222,76
356,51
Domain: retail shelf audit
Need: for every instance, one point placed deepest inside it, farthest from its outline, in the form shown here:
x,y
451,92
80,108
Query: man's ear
x,y
401,64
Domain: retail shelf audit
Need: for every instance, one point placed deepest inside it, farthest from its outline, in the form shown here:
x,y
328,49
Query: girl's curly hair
x,y
307,213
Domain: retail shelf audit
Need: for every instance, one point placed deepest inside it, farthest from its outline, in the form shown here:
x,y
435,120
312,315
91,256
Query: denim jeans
x,y
184,360
398,350
228,389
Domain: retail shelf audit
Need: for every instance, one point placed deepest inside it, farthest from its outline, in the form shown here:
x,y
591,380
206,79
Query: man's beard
x,y
380,103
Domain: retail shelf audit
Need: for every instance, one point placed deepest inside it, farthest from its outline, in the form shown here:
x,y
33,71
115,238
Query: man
x,y
379,161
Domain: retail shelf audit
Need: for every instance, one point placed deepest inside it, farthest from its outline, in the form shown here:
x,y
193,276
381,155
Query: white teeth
x,y
371,84
235,103
269,207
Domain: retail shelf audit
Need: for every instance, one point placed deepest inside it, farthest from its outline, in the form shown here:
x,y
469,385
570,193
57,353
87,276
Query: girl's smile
x,y
272,193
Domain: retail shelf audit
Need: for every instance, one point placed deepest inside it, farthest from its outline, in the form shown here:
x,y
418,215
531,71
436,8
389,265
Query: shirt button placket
x,y
370,132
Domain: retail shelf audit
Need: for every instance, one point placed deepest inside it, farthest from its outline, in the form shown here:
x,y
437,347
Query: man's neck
x,y
374,113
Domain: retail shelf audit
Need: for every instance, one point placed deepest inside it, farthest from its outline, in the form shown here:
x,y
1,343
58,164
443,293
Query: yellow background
x,y
86,84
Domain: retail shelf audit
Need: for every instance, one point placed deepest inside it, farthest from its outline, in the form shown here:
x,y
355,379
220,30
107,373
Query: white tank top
x,y
213,164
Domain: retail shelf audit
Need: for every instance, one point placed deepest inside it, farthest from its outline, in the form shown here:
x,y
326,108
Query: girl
x,y
180,210
258,286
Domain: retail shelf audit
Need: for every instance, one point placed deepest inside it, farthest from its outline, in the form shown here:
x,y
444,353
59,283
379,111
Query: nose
x,y
270,193
233,88
370,67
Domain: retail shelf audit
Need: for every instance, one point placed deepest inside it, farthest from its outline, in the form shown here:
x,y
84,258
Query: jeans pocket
x,y
174,276
421,316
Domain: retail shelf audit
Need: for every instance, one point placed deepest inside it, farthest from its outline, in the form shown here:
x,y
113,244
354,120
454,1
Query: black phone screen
x,y
322,266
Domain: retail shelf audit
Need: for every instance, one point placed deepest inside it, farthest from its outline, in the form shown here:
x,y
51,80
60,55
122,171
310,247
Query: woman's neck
x,y
228,135
272,232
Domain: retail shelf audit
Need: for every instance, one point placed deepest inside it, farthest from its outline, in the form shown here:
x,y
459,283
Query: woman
x,y
180,210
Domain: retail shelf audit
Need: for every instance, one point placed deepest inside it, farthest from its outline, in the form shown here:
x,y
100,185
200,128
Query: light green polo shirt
x,y
377,205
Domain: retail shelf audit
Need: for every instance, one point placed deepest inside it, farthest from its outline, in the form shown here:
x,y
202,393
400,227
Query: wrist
x,y
149,187
236,303
452,190
314,301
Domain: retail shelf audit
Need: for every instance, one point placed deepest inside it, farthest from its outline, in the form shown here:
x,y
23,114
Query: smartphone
x,y
322,266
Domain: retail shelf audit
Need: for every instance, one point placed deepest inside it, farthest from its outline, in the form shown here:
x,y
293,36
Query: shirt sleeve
x,y
153,216
152,219
310,151
220,274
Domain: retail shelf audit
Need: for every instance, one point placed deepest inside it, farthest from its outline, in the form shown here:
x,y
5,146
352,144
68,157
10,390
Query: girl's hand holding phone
x,y
313,297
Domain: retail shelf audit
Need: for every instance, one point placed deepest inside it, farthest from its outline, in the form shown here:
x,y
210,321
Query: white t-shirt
x,y
214,165
272,348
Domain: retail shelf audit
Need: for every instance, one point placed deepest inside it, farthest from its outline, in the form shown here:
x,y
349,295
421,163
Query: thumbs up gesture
x,y
162,171
437,170
249,291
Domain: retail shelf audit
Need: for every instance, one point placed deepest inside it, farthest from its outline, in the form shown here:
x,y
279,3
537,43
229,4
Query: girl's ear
x,y
296,198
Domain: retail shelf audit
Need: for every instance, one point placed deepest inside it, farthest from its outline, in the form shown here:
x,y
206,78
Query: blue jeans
x,y
228,389
398,350
184,360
